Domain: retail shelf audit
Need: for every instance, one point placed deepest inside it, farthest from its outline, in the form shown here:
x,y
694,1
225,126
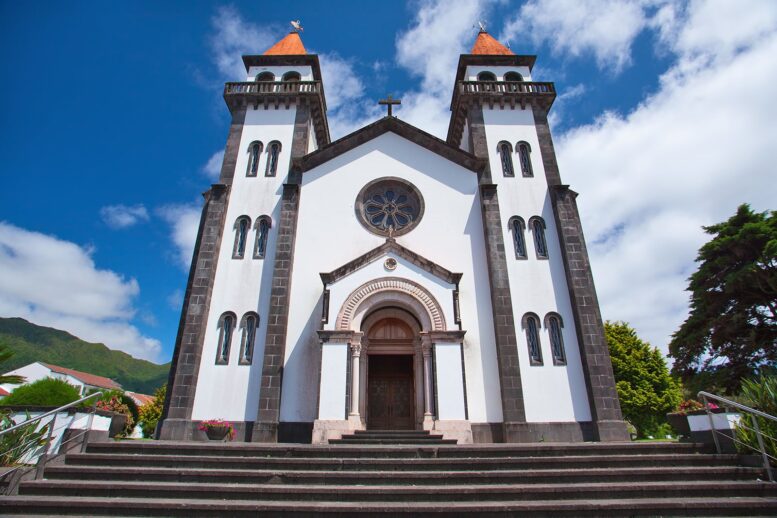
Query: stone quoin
x,y
391,280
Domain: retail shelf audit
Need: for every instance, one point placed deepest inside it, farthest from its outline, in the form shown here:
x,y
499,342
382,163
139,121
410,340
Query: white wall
x,y
305,72
241,285
551,393
471,74
329,235
450,382
334,365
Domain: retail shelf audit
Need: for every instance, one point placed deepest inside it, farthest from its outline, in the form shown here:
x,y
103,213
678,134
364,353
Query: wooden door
x,y
390,396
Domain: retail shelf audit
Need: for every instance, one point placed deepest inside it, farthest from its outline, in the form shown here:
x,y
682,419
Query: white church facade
x,y
391,279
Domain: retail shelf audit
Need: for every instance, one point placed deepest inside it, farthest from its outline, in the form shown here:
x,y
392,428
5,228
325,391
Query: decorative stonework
x,y
389,206
390,264
345,317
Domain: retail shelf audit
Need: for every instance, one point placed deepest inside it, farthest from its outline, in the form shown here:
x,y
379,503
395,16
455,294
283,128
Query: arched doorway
x,y
392,377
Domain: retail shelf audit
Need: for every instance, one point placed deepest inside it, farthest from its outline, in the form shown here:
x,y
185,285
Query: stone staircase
x,y
392,437
144,478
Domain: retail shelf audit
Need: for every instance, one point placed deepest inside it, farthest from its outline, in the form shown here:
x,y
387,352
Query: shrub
x,y
761,394
44,392
115,404
17,445
123,398
151,412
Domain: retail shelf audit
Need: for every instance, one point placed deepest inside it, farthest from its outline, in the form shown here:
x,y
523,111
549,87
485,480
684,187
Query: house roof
x,y
384,125
291,44
390,246
3,392
86,378
485,44
140,399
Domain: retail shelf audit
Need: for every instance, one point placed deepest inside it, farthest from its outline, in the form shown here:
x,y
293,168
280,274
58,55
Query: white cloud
x,y
603,28
55,283
212,167
234,37
123,216
685,157
184,221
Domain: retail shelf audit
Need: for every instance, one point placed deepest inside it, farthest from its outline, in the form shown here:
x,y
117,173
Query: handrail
x,y
46,446
756,428
38,418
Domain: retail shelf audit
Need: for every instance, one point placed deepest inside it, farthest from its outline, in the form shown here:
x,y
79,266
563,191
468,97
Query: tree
x,y
152,411
5,355
731,331
44,392
646,390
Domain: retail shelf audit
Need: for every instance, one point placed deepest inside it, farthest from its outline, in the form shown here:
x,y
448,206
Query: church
x,y
391,280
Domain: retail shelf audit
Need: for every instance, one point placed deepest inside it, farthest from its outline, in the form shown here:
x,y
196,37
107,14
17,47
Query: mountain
x,y
31,343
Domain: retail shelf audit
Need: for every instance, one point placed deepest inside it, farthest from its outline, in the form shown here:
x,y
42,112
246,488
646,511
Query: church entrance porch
x,y
390,404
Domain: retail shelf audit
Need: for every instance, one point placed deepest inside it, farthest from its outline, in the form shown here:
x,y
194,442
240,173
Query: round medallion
x,y
390,264
389,206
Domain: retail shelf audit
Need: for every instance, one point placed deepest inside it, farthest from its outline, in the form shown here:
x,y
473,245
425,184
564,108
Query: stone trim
x,y
185,367
608,422
390,246
445,337
232,148
354,300
338,336
570,431
378,128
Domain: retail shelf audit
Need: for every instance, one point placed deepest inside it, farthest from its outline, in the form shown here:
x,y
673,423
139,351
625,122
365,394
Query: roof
x,y
384,125
140,399
291,44
4,392
86,378
485,44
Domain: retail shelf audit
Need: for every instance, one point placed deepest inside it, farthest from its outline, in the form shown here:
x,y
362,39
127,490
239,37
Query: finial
x,y
297,26
482,26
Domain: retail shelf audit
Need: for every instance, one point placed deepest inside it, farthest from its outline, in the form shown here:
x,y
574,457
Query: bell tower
x,y
536,255
240,277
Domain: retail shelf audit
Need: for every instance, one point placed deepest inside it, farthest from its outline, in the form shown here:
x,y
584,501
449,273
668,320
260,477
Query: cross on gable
x,y
390,102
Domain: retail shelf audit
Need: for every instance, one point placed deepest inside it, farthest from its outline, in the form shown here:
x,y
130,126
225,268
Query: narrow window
x,y
486,76
513,77
265,76
226,325
291,76
254,152
242,225
519,243
531,326
506,156
524,154
273,150
263,224
250,324
554,325
540,245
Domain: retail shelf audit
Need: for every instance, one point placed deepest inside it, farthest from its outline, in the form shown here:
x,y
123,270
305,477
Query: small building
x,y
84,381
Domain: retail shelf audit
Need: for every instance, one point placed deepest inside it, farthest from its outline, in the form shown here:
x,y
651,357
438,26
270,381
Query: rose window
x,y
389,206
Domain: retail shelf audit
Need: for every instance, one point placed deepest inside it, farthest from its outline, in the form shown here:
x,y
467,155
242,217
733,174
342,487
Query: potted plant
x,y
217,429
678,420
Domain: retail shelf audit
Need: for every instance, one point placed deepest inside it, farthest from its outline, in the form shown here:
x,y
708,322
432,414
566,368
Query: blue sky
x,y
112,121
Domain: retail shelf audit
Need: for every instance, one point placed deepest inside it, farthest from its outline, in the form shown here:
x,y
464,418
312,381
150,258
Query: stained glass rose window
x,y
389,206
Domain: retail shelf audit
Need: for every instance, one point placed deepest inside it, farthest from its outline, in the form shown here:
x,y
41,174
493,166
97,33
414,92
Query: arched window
x,y
249,325
265,76
531,325
262,226
486,76
292,76
513,77
226,327
506,156
273,151
242,225
524,155
538,229
254,152
517,226
553,324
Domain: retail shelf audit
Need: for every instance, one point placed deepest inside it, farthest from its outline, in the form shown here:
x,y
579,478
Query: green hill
x,y
31,343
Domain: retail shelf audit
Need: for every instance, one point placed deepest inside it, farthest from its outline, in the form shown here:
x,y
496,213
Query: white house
x,y
84,381
391,279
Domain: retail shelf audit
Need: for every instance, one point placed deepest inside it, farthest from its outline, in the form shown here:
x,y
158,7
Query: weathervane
x,y
390,102
297,25
482,25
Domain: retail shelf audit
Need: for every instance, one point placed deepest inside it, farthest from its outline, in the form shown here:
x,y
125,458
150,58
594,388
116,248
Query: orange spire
x,y
486,44
291,44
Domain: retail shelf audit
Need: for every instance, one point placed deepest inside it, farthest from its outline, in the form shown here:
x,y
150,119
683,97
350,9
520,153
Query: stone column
x,y
356,350
426,350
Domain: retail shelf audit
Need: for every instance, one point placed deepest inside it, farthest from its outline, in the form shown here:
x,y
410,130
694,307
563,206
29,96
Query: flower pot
x,y
217,433
679,423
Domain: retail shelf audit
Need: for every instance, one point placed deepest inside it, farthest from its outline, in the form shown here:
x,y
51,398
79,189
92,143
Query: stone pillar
x,y
426,351
356,349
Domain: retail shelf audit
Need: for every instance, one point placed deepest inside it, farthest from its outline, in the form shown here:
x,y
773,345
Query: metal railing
x,y
508,87
45,447
756,428
272,87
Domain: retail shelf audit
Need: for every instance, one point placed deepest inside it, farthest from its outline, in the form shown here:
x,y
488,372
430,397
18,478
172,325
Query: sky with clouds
x,y
113,124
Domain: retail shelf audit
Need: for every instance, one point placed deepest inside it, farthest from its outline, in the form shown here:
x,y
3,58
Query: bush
x,y
16,446
152,411
44,392
761,394
134,412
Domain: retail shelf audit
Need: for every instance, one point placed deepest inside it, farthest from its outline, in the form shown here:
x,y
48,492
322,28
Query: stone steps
x,y
392,437
93,506
154,478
